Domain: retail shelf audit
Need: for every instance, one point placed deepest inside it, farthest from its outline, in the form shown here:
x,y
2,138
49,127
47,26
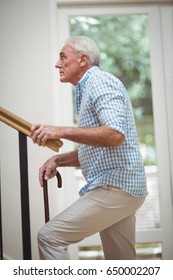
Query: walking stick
x,y
45,195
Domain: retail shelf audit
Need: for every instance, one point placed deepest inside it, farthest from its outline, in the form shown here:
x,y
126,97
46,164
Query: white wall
x,y
26,90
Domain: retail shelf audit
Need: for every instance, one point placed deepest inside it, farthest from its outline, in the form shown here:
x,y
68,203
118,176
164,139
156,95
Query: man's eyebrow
x,y
61,53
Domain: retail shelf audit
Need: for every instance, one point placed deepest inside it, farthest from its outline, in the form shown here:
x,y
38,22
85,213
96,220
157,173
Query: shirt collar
x,y
81,85
85,77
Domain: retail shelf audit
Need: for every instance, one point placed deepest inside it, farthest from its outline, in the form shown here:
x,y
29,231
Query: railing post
x,y
23,157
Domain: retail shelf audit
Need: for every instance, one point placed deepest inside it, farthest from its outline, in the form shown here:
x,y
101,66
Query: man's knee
x,y
42,236
48,236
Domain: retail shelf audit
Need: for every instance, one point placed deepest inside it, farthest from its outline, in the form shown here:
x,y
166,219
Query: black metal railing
x,y
24,192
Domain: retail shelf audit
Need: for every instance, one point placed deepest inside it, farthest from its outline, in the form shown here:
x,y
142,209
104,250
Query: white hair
x,y
83,44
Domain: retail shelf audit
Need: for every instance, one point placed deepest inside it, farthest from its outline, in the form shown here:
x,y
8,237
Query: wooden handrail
x,y
25,127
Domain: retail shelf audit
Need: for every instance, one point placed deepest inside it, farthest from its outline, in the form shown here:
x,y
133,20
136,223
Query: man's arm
x,y
102,136
67,159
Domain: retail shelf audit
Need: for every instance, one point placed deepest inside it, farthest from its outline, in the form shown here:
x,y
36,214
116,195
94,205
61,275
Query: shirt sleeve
x,y
109,102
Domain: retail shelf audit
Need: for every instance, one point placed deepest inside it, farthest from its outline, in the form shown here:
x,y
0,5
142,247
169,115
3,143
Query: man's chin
x,y
63,80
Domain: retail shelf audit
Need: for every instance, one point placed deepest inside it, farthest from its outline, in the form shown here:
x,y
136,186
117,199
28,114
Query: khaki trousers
x,y
107,210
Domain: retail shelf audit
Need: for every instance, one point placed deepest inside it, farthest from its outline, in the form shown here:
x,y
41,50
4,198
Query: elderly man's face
x,y
69,65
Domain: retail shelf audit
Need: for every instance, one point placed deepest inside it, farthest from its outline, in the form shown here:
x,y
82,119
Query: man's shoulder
x,y
99,76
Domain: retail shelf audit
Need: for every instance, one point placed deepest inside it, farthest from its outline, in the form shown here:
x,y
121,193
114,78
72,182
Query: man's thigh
x,y
91,213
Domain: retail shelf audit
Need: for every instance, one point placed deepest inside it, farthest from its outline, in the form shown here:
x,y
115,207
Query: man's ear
x,y
83,60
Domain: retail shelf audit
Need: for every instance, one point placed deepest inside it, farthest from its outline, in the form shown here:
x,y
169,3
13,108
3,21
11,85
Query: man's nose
x,y
58,64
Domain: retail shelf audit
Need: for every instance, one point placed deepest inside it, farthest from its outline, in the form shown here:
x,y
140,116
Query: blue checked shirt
x,y
101,99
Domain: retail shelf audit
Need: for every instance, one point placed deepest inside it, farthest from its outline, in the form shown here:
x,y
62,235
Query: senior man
x,y
108,154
